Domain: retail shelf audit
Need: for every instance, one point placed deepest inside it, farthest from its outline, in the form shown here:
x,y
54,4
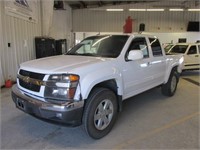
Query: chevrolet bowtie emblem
x,y
26,79
39,83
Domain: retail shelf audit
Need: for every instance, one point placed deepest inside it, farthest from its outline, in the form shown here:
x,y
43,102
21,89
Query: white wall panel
x,y
1,47
20,34
99,20
47,16
62,25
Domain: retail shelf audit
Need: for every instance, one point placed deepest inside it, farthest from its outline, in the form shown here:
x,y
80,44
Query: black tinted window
x,y
156,48
192,50
199,48
179,49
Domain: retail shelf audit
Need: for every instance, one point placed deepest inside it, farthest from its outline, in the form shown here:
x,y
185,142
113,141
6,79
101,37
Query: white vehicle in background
x,y
190,52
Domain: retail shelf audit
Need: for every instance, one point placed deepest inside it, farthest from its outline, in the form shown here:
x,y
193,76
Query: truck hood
x,y
59,64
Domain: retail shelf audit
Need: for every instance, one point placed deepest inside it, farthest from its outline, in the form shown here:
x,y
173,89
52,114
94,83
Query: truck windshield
x,y
100,46
179,49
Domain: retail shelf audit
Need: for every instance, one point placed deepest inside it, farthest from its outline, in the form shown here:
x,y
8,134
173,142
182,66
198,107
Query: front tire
x,y
169,88
100,113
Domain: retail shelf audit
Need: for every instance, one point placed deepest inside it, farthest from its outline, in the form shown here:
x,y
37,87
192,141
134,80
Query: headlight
x,y
61,87
181,60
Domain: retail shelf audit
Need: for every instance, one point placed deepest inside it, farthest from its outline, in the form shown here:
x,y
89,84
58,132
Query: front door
x,y
192,60
137,74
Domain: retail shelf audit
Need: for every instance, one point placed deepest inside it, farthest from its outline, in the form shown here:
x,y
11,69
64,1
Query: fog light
x,y
59,115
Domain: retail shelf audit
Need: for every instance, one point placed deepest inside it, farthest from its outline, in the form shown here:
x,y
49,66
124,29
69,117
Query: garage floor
x,y
148,121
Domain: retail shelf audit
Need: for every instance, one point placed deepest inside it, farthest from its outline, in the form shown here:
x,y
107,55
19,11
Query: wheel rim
x,y
103,114
173,84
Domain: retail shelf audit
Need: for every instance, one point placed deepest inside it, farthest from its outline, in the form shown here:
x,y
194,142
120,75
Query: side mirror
x,y
135,55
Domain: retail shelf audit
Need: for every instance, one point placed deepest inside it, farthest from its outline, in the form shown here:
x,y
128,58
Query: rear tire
x,y
169,88
100,113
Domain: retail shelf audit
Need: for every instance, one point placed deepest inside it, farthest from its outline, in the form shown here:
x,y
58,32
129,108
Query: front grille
x,y
33,75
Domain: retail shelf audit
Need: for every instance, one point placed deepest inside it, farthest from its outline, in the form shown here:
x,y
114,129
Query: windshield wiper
x,y
87,54
84,54
70,54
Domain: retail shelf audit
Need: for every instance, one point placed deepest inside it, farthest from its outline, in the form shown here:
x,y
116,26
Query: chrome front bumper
x,y
69,113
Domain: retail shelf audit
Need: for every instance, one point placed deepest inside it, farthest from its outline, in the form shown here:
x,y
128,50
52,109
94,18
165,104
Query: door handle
x,y
147,64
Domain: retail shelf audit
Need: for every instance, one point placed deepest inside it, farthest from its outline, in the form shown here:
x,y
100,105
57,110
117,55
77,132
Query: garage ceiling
x,y
74,4
96,4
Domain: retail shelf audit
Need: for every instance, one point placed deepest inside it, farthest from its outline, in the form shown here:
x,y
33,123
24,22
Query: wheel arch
x,y
175,67
110,84
169,88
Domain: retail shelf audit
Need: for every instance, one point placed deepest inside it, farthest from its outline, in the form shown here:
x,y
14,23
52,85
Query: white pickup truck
x,y
88,84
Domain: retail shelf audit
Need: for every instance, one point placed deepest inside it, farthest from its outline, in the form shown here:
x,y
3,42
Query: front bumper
x,y
69,113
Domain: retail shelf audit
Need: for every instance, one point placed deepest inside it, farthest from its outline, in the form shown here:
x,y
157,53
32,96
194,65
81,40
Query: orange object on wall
x,y
128,25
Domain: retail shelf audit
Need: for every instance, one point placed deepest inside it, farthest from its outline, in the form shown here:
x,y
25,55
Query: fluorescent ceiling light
x,y
137,9
193,9
155,9
176,9
114,9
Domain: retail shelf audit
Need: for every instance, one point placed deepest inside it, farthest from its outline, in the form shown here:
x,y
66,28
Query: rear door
x,y
158,62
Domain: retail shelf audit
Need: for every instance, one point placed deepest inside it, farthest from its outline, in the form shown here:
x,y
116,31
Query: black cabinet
x,y
61,46
45,47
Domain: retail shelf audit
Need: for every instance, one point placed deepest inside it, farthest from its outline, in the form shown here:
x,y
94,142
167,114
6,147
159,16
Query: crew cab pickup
x,y
86,86
190,52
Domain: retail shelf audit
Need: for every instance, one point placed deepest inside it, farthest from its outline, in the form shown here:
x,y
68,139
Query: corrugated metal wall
x,y
102,21
1,47
62,25
95,20
20,34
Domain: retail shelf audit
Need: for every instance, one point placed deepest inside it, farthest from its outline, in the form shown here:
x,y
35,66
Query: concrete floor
x,y
148,121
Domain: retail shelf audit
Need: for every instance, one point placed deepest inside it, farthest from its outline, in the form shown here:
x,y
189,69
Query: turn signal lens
x,y
73,78
71,93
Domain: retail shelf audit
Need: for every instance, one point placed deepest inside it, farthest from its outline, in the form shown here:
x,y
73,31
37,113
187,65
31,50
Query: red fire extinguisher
x,y
8,83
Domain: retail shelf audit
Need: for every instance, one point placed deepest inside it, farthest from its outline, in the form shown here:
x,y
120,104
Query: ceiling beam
x,y
116,2
100,3
83,4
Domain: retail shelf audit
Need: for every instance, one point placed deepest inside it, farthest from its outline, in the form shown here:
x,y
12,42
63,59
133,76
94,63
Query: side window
x,y
139,44
192,50
156,48
199,48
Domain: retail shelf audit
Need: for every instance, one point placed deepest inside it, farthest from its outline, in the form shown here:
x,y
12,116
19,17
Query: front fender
x,y
98,76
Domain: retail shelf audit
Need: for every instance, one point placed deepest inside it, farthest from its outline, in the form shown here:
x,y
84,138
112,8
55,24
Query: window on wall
x,y
156,47
139,44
